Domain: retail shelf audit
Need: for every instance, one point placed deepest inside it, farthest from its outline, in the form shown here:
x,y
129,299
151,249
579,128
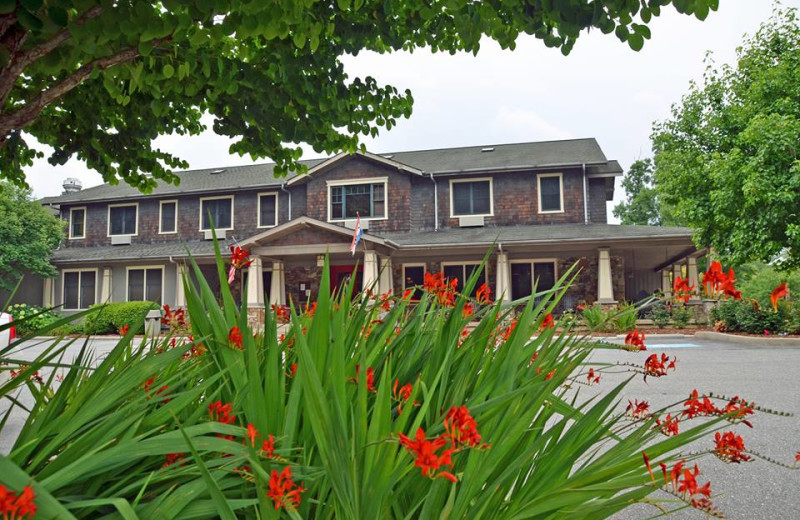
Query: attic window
x,y
487,149
216,172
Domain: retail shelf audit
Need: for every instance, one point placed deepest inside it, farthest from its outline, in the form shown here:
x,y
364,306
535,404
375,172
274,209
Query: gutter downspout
x,y
283,188
585,199
435,203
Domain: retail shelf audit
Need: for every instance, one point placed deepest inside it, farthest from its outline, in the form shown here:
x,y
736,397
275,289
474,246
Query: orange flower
x,y
682,290
593,377
461,427
484,294
668,426
172,458
548,322
729,447
468,310
15,507
402,395
427,459
634,339
240,257
696,407
124,329
221,412
268,447
386,300
779,292
637,410
235,338
252,433
283,490
655,367
370,378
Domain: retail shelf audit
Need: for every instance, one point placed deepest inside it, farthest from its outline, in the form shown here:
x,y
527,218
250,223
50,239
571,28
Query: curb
x,y
761,341
663,336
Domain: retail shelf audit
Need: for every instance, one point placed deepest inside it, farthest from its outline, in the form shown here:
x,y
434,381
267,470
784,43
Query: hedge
x,y
109,317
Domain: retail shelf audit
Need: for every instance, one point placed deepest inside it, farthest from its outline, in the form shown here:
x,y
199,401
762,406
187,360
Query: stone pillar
x,y
503,289
277,290
677,270
47,293
691,273
105,285
180,293
369,278
605,285
255,284
386,283
666,285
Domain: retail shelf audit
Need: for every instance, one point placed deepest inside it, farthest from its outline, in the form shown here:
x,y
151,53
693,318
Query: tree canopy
x,y
727,160
28,235
641,205
99,80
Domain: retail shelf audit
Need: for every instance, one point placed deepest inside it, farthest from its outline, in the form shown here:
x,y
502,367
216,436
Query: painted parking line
x,y
656,346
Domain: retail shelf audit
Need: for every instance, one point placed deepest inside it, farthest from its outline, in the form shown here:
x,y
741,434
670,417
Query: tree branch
x,y
19,61
28,113
6,22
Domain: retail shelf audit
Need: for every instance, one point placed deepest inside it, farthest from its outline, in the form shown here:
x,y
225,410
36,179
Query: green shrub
x,y
109,317
748,316
30,318
660,314
680,316
595,317
757,280
792,323
624,318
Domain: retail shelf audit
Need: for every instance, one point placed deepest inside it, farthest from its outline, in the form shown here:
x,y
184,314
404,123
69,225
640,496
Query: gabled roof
x,y
344,156
304,222
442,161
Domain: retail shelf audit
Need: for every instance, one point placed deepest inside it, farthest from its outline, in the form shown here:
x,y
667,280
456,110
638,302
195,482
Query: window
x,y
463,272
218,210
525,274
145,283
472,197
414,277
551,193
168,216
77,223
122,219
267,209
79,289
365,199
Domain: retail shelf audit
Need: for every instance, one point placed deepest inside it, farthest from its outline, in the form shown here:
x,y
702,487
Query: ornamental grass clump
x,y
363,408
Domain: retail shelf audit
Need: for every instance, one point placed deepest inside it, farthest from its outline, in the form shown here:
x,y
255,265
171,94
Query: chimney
x,y
71,185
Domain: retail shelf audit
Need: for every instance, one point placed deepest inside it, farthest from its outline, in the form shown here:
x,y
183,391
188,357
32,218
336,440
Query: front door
x,y
340,277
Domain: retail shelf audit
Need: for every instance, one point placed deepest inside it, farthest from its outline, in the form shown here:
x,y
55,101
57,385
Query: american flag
x,y
357,232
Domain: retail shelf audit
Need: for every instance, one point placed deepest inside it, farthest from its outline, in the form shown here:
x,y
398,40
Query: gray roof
x,y
545,154
532,234
136,252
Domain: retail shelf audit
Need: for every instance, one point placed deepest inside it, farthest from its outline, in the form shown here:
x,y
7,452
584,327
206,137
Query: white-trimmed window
x,y
218,210
525,274
267,209
463,271
551,192
471,197
414,277
167,216
77,223
145,284
123,219
78,288
366,198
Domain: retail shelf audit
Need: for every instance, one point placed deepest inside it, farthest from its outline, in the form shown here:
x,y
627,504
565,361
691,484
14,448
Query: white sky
x,y
602,90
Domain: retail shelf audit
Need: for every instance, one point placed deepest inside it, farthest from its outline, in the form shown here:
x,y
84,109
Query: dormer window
x,y
471,197
218,210
551,193
77,223
123,219
366,198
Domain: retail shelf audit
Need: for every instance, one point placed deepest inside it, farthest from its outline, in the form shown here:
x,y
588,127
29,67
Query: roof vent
x,y
72,185
487,149
217,172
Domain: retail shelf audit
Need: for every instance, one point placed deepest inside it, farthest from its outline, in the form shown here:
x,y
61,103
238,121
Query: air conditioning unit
x,y
209,235
120,240
351,224
470,221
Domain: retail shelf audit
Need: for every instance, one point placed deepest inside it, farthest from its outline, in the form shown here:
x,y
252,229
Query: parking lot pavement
x,y
764,375
767,376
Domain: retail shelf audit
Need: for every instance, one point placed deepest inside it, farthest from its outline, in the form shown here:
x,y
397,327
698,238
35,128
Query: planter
x,y
709,305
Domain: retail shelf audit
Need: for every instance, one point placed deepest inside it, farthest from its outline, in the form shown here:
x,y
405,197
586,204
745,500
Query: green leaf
x,y
58,15
29,21
168,71
635,41
32,5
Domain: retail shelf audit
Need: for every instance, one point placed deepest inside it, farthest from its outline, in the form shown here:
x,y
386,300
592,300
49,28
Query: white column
x,y
666,285
691,273
605,286
386,281
677,270
47,293
105,286
503,288
370,275
277,290
180,294
255,284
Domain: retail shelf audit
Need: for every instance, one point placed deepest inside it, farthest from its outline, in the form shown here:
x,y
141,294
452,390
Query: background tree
x,y
727,161
28,235
641,205
100,80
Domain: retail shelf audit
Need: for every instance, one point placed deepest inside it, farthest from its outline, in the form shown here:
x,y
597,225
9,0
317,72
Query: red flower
x,y
779,292
427,459
669,426
252,433
172,458
15,507
402,395
444,291
293,370
737,410
408,293
268,447
484,294
281,313
124,329
240,257
548,322
461,428
697,407
282,490
682,290
468,310
655,367
729,447
310,309
221,412
386,300
593,377
634,339
638,410
235,338
550,374
797,457
370,378
508,330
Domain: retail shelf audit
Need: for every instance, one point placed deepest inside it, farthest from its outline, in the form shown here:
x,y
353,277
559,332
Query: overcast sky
x,y
602,90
